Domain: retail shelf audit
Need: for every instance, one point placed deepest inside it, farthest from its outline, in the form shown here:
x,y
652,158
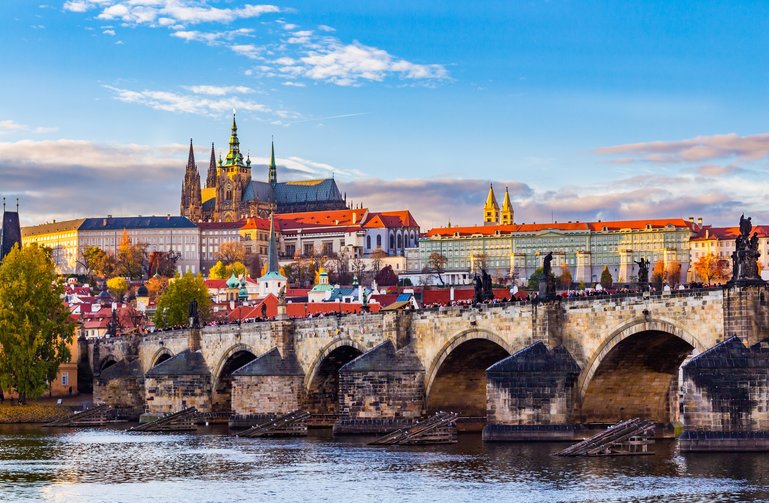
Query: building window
x,y
328,248
290,250
65,378
399,241
379,241
308,249
392,241
368,242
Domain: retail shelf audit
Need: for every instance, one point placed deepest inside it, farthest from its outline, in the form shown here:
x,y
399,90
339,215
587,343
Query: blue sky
x,y
586,110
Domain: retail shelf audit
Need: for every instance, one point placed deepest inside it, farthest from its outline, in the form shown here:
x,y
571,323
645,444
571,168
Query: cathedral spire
x,y
273,173
211,178
191,205
234,157
506,214
491,208
191,158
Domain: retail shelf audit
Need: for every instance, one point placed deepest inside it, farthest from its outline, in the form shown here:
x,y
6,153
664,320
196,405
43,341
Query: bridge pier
x,y
531,395
179,382
272,384
725,399
380,391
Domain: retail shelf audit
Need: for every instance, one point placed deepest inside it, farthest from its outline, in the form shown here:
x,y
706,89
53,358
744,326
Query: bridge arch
x,y
634,373
107,362
321,382
456,379
160,356
235,357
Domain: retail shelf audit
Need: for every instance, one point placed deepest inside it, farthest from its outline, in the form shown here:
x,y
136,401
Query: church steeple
x,y
234,157
272,250
191,205
272,177
491,208
507,216
211,178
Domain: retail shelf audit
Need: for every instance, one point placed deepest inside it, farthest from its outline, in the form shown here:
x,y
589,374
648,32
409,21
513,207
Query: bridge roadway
x,y
624,353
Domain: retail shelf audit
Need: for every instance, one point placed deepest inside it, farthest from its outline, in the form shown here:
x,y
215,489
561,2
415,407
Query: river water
x,y
95,465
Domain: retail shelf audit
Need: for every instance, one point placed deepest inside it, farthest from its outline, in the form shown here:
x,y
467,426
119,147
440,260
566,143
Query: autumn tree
x,y
117,286
173,304
673,273
565,277
711,269
35,327
436,265
230,252
91,259
606,280
386,276
130,257
156,285
222,271
377,256
658,275
254,265
163,263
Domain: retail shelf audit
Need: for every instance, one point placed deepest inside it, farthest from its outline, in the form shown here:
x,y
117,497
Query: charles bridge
x,y
524,370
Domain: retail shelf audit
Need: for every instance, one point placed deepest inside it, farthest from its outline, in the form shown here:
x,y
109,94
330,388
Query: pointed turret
x,y
234,158
272,177
491,208
506,215
191,205
211,178
272,250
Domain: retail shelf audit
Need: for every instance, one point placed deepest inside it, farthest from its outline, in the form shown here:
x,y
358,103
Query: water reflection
x,y
112,465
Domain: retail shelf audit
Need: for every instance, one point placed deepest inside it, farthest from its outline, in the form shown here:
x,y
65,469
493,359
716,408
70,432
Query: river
x,y
109,465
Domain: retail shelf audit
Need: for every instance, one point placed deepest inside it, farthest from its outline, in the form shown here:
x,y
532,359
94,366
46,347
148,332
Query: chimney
x,y
699,221
354,217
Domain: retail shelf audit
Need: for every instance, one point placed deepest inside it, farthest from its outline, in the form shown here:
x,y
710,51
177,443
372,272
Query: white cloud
x,y
10,126
248,50
326,28
187,103
111,33
219,90
698,149
168,12
212,38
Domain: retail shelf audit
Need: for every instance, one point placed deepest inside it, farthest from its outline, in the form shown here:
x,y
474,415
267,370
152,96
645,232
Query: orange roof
x,y
715,233
260,223
491,230
390,219
333,218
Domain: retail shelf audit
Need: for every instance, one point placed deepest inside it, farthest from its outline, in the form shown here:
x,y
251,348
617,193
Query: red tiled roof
x,y
612,225
309,219
215,283
717,233
260,223
294,309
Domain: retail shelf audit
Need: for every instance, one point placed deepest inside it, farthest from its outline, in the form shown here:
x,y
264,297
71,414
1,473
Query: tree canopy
x,y
711,268
35,327
436,265
230,252
386,276
117,286
173,304
606,280
223,271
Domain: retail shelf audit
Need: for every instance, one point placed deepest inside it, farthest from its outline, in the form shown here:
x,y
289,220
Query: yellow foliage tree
x,y
117,286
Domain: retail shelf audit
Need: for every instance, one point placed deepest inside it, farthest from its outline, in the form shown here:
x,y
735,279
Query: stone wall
x,y
380,390
746,313
725,398
121,386
277,394
531,395
167,394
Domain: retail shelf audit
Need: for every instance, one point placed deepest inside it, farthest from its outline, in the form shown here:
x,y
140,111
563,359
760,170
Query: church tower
x,y
211,178
272,176
507,216
491,208
233,163
191,203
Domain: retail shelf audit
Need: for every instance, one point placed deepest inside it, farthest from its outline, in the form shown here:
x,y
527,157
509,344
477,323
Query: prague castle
x,y
230,194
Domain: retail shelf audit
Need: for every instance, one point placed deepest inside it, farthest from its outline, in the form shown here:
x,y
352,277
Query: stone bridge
x,y
521,369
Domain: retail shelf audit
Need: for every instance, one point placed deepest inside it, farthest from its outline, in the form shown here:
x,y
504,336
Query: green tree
x,y
535,278
174,303
117,287
35,327
91,259
606,279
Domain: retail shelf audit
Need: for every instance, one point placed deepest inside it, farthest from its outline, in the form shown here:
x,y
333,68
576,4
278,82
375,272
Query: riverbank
x,y
44,410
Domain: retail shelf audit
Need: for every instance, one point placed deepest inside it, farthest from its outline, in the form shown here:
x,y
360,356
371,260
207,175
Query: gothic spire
x,y
211,178
191,158
272,251
491,208
273,173
234,157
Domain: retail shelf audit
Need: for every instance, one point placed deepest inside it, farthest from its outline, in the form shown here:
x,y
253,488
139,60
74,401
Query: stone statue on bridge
x,y
488,293
643,271
193,315
745,256
477,290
